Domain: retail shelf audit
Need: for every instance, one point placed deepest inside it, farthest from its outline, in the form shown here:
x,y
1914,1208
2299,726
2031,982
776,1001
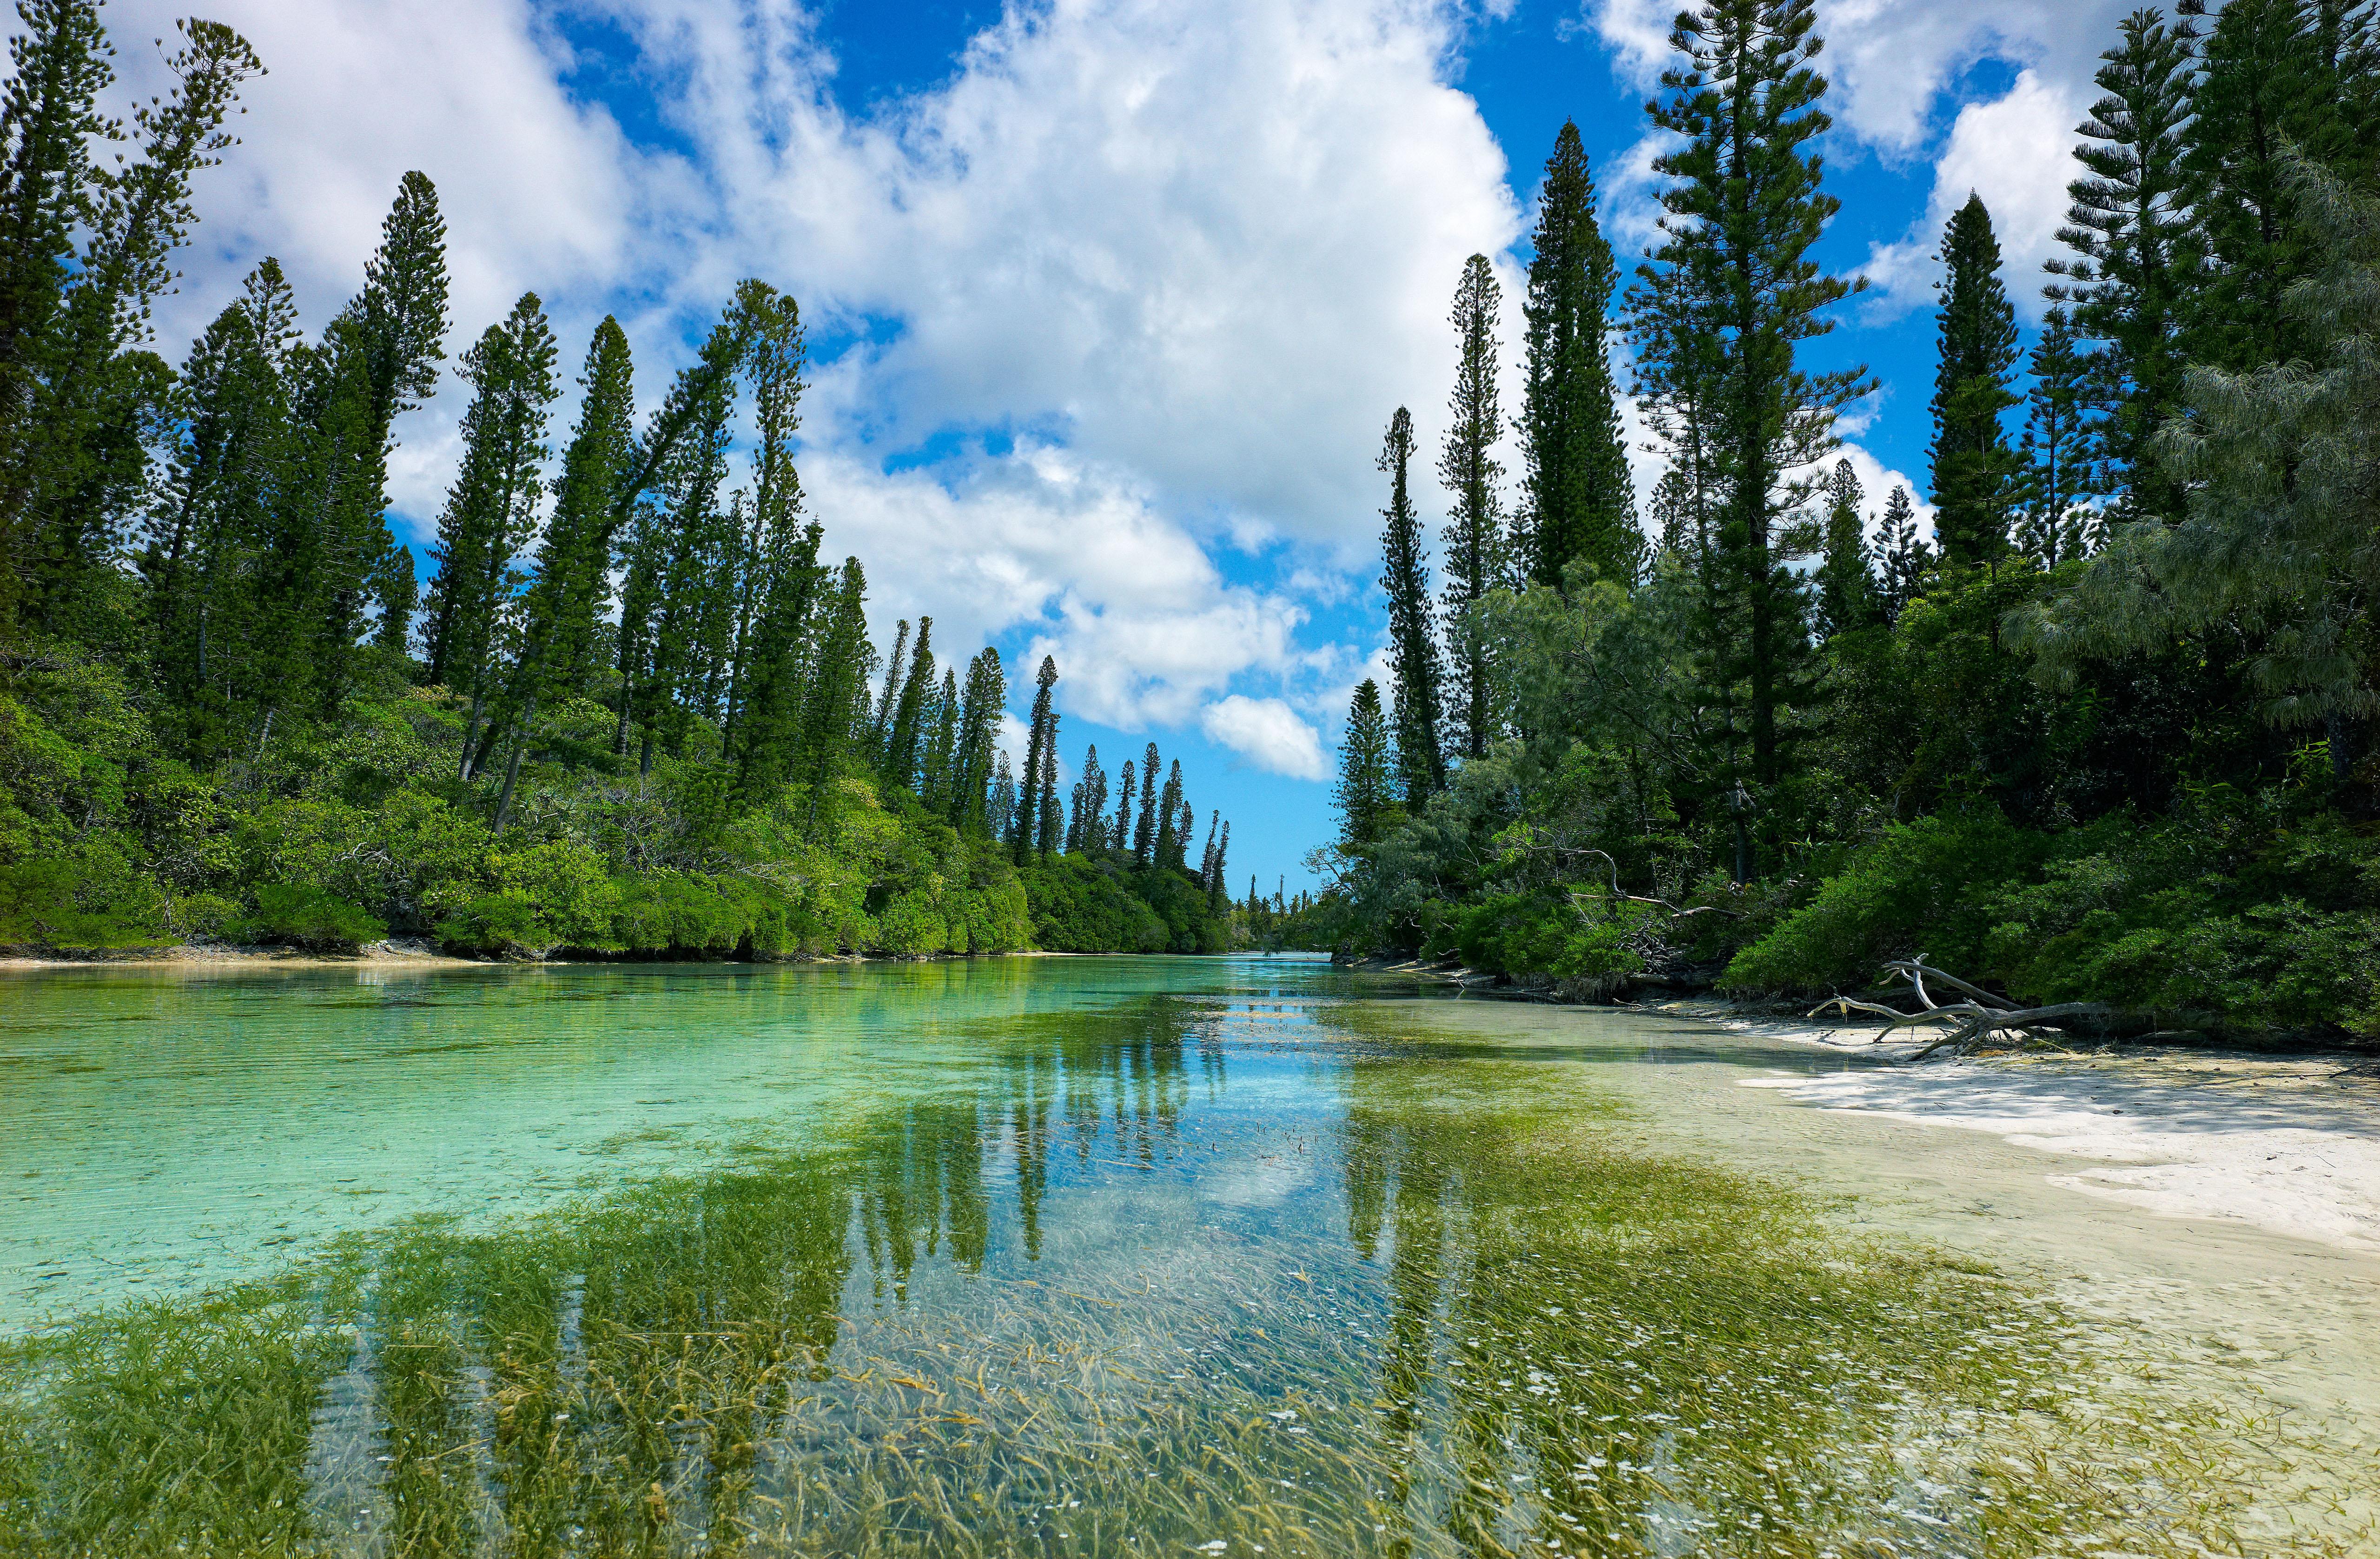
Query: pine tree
x,y
2129,227
838,680
220,591
399,321
1030,821
1418,672
1051,833
896,665
770,355
491,509
1144,834
901,742
1169,818
1974,470
1475,543
82,391
1216,902
1580,503
671,602
980,703
1001,809
2058,477
1364,778
2283,485
940,742
1903,552
2266,89
1847,597
1127,799
1726,301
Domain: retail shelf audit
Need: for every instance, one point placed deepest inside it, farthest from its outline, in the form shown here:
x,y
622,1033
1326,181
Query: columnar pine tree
x,y
2058,474
1144,833
1579,502
1364,787
1215,901
774,593
1727,299
2133,270
1050,834
1475,549
220,591
909,710
1169,816
2267,89
1028,824
1127,804
491,509
940,742
82,391
895,666
1000,808
1974,470
837,681
1847,597
1418,672
980,703
1902,552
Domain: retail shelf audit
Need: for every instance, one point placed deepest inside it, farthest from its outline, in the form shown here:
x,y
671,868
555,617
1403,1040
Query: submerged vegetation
x,y
1024,1314
632,711
2108,737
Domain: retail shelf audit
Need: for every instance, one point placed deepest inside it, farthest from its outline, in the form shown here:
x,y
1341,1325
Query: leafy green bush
x,y
1079,905
85,897
304,916
1923,886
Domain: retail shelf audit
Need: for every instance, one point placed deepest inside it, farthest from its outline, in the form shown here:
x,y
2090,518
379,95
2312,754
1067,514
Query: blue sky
x,y
1109,300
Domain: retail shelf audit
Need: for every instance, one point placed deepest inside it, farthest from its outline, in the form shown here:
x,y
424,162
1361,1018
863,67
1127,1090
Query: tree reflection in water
x,y
1351,1293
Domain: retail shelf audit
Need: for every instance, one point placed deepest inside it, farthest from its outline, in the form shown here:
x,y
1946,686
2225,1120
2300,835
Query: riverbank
x,y
2287,1143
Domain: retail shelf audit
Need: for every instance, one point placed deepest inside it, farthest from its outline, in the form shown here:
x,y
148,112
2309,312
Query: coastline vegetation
x,y
2107,737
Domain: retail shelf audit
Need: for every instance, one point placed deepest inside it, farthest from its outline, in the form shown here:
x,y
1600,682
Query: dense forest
x,y
2106,737
632,711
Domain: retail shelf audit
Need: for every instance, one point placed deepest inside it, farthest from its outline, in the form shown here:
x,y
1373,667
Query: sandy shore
x,y
406,951
2286,1143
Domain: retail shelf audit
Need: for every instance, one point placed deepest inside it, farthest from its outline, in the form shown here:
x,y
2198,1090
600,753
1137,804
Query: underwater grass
x,y
1019,1320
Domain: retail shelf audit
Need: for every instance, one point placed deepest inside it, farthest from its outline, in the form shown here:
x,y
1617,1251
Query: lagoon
x,y
1087,1256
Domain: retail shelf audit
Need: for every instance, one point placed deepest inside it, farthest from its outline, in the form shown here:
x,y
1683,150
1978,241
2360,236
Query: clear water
x,y
1066,1256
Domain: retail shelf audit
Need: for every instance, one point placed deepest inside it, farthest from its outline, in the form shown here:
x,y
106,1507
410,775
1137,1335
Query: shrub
x,y
306,917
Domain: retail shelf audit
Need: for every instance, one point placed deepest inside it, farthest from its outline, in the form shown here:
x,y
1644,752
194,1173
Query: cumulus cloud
x,y
2016,152
1889,62
1269,734
1155,258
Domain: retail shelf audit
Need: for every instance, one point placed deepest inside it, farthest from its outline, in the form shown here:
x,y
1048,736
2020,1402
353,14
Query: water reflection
x,y
1173,1272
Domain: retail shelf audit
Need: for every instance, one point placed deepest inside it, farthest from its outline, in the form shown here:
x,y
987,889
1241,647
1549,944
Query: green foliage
x,y
304,916
1083,904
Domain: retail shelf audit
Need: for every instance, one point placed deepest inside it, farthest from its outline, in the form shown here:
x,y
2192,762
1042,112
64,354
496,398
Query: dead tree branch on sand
x,y
1972,1022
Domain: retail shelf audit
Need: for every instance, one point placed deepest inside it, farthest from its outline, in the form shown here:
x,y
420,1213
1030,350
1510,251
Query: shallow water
x,y
1086,1256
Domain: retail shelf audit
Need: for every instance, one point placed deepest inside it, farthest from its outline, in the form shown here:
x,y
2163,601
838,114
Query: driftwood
x,y
1972,1022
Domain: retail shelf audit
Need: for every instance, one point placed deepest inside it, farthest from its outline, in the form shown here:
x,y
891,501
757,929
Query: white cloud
x,y
2016,152
1266,733
1188,259
1877,479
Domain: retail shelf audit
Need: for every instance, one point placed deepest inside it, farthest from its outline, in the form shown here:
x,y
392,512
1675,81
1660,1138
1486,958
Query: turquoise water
x,y
1048,1256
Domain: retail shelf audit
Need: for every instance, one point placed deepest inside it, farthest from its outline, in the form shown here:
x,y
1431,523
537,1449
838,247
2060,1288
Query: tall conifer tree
x,y
1974,470
1580,503
2058,477
2133,270
1726,302
1418,670
1475,547
1365,781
